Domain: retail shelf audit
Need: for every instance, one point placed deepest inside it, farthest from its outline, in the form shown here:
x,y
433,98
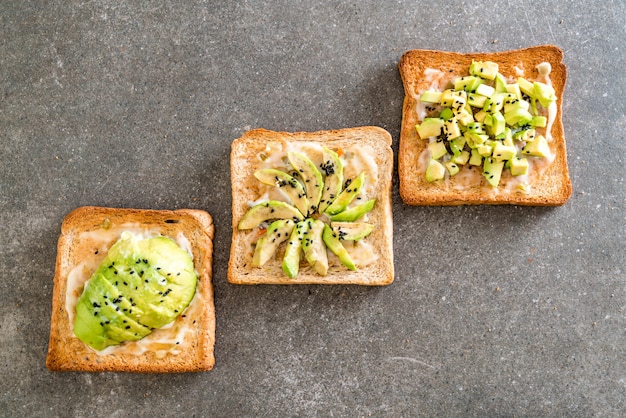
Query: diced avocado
x,y
314,248
519,116
435,170
310,177
544,93
289,185
354,213
492,170
346,197
502,152
464,117
484,150
430,97
485,90
430,127
351,231
447,98
331,239
451,167
511,105
277,233
476,100
484,69
526,87
498,124
538,147
451,129
500,83
514,89
475,127
291,259
518,166
539,121
494,103
140,285
475,158
437,149
333,170
480,116
467,83
272,209
457,144
446,114
462,158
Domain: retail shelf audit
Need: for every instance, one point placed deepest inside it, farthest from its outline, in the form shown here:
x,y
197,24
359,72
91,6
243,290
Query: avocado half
x,y
141,285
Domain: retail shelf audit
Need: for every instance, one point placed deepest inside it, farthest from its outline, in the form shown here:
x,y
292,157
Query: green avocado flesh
x,y
485,121
141,285
323,213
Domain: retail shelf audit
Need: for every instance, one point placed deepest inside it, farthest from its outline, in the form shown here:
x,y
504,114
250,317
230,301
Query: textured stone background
x,y
495,311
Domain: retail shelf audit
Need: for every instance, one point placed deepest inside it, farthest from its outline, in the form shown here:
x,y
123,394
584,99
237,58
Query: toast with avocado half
x,y
133,292
312,207
483,128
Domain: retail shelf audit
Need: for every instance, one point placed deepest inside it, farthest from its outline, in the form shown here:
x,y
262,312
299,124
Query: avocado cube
x,y
437,149
431,97
457,144
451,167
538,148
435,171
451,129
447,98
475,158
429,127
485,90
544,93
468,83
492,171
526,86
476,100
518,116
518,166
446,114
462,158
503,152
500,83
539,121
498,124
484,69
514,89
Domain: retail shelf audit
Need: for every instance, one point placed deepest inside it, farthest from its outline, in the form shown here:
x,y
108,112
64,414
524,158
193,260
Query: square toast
x,y
423,70
363,149
86,235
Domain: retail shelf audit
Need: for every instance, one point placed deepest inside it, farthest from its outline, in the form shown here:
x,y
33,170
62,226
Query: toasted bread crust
x,y
67,353
552,188
245,188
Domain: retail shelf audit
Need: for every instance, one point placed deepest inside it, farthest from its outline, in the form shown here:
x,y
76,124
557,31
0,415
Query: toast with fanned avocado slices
x,y
483,128
312,207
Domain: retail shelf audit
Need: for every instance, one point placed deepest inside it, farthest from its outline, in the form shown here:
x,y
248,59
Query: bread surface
x,y
246,189
86,235
552,187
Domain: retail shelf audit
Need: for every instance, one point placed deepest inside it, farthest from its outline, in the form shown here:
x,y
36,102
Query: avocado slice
x,y
277,233
310,177
352,214
314,248
351,231
141,284
292,187
351,190
272,209
333,169
291,259
331,239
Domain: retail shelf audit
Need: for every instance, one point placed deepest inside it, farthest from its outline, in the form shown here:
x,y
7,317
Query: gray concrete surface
x,y
495,311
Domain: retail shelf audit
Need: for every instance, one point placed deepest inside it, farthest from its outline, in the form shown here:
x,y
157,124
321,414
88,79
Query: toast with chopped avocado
x,y
483,128
133,292
312,207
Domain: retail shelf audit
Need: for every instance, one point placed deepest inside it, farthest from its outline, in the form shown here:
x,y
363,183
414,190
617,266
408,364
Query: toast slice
x,y
361,150
422,70
86,235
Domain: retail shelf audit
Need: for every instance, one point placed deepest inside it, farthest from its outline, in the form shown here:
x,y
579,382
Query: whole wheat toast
x,y
247,156
423,70
86,235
